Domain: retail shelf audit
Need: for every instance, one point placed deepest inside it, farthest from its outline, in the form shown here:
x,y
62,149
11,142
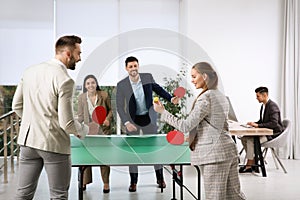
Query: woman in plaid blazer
x,y
212,148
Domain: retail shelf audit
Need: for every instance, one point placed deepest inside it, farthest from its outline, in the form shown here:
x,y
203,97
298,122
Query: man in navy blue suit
x,y
135,108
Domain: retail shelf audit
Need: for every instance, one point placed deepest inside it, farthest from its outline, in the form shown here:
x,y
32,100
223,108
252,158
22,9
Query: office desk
x,y
123,150
236,129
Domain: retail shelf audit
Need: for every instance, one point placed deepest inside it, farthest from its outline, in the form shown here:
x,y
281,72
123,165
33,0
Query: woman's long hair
x,y
86,78
206,68
211,81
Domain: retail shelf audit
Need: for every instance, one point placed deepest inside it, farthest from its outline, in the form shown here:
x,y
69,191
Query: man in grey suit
x,y
269,118
43,100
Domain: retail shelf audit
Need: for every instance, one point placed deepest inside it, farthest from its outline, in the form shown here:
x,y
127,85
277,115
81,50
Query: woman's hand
x,y
158,107
93,128
187,139
106,123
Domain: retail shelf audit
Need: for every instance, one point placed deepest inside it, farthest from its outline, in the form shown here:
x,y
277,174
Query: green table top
x,y
125,150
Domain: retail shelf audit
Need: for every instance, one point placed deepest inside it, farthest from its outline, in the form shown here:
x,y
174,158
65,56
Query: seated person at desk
x,y
269,118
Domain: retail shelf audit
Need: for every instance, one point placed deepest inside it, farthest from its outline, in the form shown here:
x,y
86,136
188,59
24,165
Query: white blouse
x,y
91,106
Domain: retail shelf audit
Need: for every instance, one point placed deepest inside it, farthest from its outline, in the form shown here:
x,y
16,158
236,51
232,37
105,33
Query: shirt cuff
x,y
126,123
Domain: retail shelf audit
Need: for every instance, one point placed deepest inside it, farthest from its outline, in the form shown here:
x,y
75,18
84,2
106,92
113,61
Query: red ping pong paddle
x,y
99,114
179,92
175,137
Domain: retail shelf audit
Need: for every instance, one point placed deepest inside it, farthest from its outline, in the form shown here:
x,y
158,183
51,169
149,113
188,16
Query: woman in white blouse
x,y
212,148
92,97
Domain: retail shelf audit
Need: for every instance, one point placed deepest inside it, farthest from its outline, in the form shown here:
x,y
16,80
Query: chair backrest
x,y
282,139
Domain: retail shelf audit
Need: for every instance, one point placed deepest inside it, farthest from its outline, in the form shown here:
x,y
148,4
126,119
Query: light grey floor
x,y
276,186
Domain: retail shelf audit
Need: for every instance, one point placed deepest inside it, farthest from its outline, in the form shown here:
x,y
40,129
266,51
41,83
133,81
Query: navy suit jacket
x,y
126,103
271,118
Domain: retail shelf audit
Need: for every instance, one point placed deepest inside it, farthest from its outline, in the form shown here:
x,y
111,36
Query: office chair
x,y
280,141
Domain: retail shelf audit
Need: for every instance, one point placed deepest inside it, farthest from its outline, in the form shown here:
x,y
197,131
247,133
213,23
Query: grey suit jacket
x,y
208,121
43,99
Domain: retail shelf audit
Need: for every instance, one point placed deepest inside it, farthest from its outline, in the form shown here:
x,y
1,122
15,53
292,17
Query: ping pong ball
x,y
155,99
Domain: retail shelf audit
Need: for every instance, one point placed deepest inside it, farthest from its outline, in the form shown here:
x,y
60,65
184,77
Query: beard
x,y
133,73
72,63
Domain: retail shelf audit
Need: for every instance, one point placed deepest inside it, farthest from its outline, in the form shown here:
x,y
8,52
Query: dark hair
x,y
206,68
262,90
69,41
131,59
86,78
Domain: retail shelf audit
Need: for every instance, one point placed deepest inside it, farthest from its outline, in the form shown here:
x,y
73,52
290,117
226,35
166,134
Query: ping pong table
x,y
124,150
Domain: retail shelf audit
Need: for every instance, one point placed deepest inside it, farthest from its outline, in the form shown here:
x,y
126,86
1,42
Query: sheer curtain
x,y
290,78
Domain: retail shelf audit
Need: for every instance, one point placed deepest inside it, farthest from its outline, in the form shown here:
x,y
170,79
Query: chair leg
x,y
240,155
274,158
277,157
241,151
264,153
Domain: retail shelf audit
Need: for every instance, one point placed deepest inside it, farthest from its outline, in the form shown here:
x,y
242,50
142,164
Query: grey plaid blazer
x,y
208,128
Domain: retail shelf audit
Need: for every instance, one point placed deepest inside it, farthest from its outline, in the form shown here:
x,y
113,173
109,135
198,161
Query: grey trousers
x,y
248,144
57,167
221,180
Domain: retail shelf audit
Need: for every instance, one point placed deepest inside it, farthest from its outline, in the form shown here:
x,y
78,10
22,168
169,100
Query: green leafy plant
x,y
178,110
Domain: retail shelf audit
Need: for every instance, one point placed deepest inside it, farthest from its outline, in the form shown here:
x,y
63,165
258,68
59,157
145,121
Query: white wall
x,y
100,22
241,37
244,40
26,36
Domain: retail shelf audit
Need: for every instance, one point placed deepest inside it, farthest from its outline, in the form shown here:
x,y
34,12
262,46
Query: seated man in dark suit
x,y
269,118
135,108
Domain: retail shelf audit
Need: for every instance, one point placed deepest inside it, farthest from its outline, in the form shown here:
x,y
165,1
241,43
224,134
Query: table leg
x,y
258,153
181,185
199,181
255,150
178,178
80,182
174,176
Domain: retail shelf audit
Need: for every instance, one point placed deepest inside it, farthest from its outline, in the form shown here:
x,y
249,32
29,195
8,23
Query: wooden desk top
x,y
235,128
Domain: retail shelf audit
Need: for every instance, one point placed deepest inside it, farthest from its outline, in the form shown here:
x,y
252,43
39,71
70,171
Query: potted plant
x,y
178,110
